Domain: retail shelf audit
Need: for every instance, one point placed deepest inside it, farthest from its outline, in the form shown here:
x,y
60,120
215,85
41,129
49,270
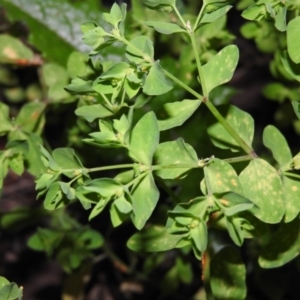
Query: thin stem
x,y
183,85
123,166
229,129
199,17
105,99
175,166
199,67
291,175
238,159
179,16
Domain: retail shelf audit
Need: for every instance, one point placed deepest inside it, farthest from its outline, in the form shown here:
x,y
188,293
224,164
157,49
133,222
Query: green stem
x,y
238,159
291,175
179,16
199,17
106,100
175,166
230,130
199,67
183,85
97,169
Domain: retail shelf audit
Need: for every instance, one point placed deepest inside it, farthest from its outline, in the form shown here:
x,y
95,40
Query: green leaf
x,y
165,5
240,121
80,86
9,292
33,156
280,19
67,159
291,189
276,142
116,15
235,230
165,27
291,67
153,239
177,113
262,185
293,42
144,139
220,68
228,275
173,153
91,239
283,246
156,82
30,117
123,205
222,177
232,203
92,112
212,16
12,50
199,236
49,26
255,12
296,107
117,217
5,123
16,163
144,199
137,44
3,281
55,198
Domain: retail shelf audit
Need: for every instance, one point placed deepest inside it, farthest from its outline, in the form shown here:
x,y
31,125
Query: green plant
x,y
134,102
9,291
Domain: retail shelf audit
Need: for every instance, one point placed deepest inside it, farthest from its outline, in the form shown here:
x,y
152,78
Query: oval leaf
x,y
144,139
177,113
262,185
221,67
144,199
293,41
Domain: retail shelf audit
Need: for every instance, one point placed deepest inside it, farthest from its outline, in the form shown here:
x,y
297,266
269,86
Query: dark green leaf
x,y
153,239
283,247
228,275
